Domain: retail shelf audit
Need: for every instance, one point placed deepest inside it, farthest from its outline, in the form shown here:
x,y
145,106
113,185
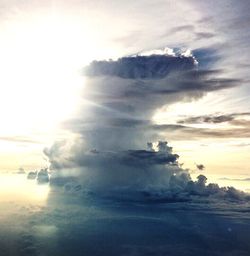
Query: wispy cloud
x,y
20,139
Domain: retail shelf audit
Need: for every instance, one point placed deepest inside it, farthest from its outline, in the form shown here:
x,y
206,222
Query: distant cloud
x,y
192,30
235,179
42,176
216,118
32,175
189,132
204,35
200,167
182,28
20,171
21,139
238,124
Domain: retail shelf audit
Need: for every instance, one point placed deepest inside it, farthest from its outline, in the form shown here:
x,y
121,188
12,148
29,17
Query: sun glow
x,y
40,74
17,187
42,57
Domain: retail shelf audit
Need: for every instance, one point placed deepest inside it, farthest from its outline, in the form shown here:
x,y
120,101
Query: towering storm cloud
x,y
121,96
113,148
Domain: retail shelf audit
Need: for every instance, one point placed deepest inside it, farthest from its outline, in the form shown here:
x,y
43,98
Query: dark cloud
x,y
126,122
180,132
182,28
136,175
32,175
200,167
43,176
204,35
155,75
183,128
141,67
71,187
206,119
145,157
217,119
205,20
130,169
71,225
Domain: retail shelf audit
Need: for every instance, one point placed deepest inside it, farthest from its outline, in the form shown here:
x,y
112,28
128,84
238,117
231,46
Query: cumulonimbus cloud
x,y
109,152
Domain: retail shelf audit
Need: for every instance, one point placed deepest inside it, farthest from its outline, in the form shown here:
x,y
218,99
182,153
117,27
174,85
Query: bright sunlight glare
x,y
40,73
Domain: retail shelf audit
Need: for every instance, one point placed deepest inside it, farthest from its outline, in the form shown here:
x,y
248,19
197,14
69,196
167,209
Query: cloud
x,y
43,176
182,28
32,175
137,175
188,132
200,167
19,139
191,30
20,171
244,179
216,118
154,66
130,170
212,190
236,126
110,154
125,93
204,35
171,72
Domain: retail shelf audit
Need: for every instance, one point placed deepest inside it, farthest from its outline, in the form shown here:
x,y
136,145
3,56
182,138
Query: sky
x,y
49,96
124,127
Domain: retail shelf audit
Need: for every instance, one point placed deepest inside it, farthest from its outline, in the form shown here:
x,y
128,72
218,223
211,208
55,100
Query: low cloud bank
x,y
103,171
148,175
